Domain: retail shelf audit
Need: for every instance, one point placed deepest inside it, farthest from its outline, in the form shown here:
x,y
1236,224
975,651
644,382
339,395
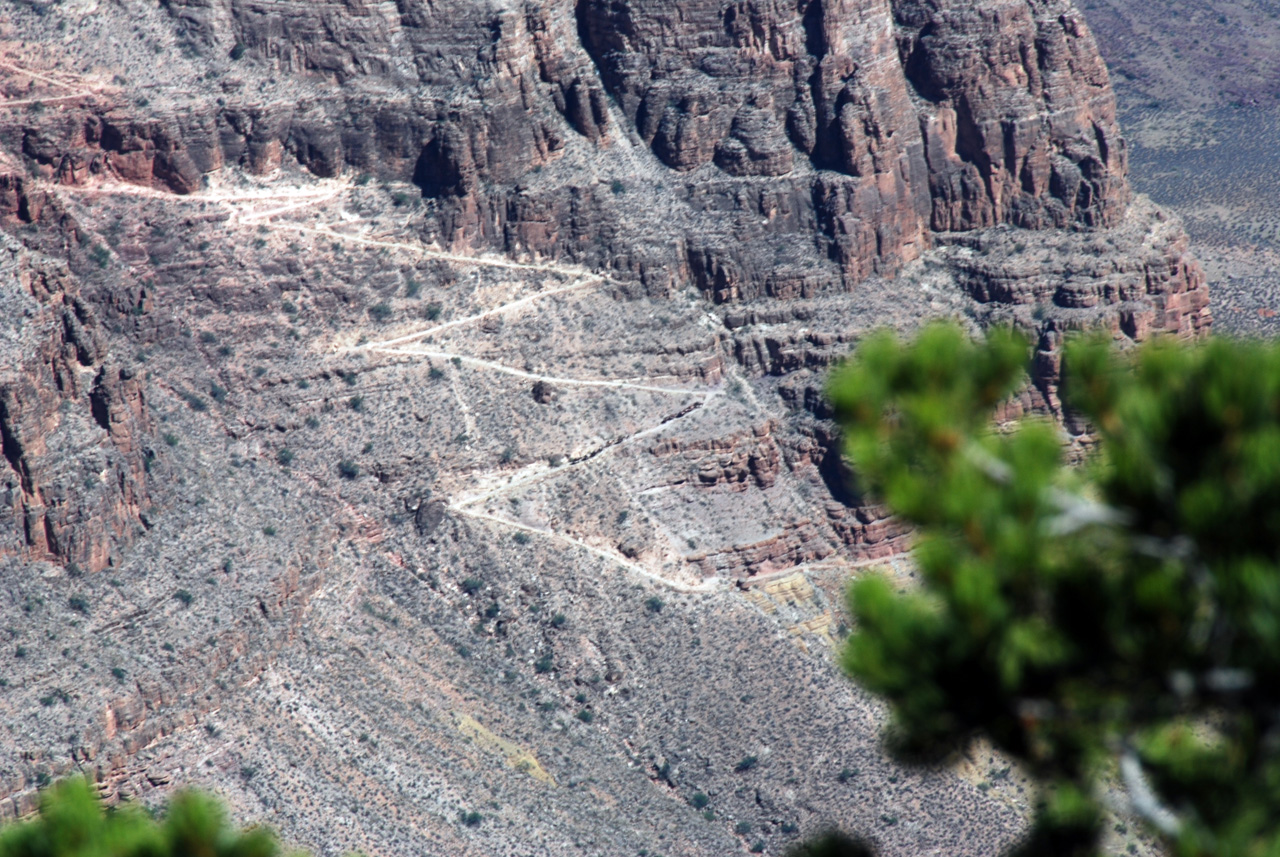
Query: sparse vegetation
x,y
348,469
746,763
543,665
185,597
472,585
381,312
79,603
654,604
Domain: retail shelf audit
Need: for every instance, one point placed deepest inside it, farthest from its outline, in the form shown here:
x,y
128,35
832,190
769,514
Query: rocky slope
x,y
416,410
1196,85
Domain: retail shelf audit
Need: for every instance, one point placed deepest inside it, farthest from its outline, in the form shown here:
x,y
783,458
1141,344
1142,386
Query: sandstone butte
x,y
412,414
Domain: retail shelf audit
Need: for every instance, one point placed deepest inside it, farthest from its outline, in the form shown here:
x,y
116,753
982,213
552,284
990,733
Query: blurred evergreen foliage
x,y
72,822
1115,622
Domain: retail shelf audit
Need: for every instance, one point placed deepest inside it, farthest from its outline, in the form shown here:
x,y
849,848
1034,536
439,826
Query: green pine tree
x,y
1114,622
72,822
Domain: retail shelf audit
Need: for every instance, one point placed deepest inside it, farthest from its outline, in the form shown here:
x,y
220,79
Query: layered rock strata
x,y
442,386
790,144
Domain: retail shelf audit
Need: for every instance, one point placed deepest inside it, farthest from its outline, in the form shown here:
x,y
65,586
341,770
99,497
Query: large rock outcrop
x,y
781,144
73,423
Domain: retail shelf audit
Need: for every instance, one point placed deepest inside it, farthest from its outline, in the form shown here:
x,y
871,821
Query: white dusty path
x,y
387,344
297,199
709,585
554,379
76,91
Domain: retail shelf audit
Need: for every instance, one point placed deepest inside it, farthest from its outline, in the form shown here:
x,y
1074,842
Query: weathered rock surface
x,y
437,388
873,123
73,423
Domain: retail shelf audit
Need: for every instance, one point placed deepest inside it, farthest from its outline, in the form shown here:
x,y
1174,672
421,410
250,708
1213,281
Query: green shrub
x,y
471,819
585,715
348,469
558,620
433,311
380,312
742,828
472,585
746,763
522,538
699,800
185,597
284,456
654,604
79,603
356,403
1116,621
72,823
543,665
119,673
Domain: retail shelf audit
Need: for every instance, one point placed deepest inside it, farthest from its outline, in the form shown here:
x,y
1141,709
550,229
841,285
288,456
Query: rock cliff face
x,y
834,135
438,387
73,423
